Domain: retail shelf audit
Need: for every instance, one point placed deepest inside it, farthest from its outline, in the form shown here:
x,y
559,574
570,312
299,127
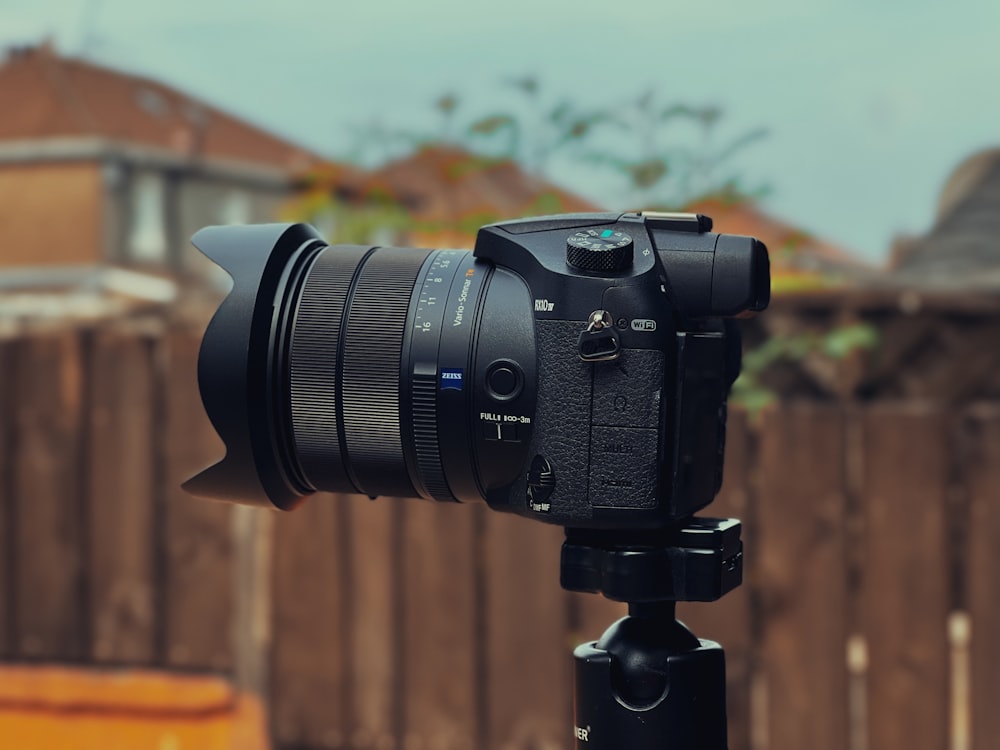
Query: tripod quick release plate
x,y
697,562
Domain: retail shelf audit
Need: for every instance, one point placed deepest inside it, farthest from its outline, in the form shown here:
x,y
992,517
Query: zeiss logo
x,y
451,379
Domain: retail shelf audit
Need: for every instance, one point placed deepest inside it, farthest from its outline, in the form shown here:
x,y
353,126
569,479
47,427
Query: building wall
x,y
204,202
154,211
50,214
142,215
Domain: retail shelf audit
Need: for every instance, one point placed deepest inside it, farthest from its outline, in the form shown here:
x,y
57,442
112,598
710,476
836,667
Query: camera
x,y
573,368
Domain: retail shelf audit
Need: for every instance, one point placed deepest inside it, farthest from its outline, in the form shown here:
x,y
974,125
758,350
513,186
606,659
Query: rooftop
x,y
448,183
800,261
962,249
45,96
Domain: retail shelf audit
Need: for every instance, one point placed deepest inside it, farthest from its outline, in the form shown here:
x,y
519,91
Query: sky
x,y
869,106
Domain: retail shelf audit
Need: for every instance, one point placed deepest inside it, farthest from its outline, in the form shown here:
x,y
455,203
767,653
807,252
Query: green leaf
x,y
528,84
601,158
760,358
646,174
752,396
492,124
841,342
676,110
560,112
447,103
802,346
645,100
709,116
546,203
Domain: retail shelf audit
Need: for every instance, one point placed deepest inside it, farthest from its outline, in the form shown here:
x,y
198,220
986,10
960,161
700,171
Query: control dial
x,y
599,250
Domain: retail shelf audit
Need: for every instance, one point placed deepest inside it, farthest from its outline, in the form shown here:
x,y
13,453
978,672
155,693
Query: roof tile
x,y
44,95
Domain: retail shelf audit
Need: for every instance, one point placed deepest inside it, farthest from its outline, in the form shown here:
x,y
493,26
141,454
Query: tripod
x,y
648,683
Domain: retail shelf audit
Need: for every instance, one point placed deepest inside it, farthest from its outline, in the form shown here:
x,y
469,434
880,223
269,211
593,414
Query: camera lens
x,y
347,369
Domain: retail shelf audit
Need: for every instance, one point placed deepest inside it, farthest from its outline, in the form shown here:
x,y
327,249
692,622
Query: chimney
x,y
18,52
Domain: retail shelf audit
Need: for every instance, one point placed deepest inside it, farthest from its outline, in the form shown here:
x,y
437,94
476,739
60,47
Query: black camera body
x,y
626,424
572,368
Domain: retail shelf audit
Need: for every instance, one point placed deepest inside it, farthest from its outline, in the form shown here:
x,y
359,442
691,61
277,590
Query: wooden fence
x,y
868,621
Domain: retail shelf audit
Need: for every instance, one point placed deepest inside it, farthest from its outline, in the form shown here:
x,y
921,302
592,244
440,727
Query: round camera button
x,y
504,380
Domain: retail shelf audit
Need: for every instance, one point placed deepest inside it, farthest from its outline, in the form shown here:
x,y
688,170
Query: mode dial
x,y
599,250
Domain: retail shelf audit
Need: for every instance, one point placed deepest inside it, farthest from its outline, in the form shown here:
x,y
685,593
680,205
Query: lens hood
x,y
235,362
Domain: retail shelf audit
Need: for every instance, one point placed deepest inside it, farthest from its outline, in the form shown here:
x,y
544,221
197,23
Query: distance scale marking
x,y
488,416
434,290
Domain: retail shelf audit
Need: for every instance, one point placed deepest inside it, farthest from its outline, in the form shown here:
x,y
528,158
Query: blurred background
x,y
859,141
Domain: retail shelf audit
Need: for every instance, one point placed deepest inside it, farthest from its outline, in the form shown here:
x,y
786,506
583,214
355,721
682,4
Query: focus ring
x,y
371,370
313,357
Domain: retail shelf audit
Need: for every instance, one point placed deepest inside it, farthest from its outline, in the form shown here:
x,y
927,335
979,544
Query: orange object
x,y
49,707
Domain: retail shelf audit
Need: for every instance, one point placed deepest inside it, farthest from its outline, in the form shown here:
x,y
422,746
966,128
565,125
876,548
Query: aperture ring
x,y
423,390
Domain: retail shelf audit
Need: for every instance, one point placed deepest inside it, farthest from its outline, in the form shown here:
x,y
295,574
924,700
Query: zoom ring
x,y
425,437
371,370
315,342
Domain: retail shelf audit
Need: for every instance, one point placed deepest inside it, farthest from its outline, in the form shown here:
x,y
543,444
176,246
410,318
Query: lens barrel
x,y
369,372
343,365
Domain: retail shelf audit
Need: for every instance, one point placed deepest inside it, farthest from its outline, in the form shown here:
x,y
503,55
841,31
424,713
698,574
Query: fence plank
x,y
802,578
49,603
375,618
440,597
8,535
529,659
309,681
196,547
253,536
983,475
728,620
905,582
120,499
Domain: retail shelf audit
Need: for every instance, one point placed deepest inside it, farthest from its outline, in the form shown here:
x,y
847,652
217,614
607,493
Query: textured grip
x,y
595,466
625,434
562,421
315,344
605,259
371,376
425,436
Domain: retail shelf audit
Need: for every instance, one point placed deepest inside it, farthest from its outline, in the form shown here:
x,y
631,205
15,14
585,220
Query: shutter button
x,y
504,381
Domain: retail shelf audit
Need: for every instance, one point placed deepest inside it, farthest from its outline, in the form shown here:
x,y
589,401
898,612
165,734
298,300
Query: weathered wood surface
x,y
120,509
905,577
309,680
196,536
526,635
49,532
373,537
800,524
983,472
8,490
402,624
440,676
